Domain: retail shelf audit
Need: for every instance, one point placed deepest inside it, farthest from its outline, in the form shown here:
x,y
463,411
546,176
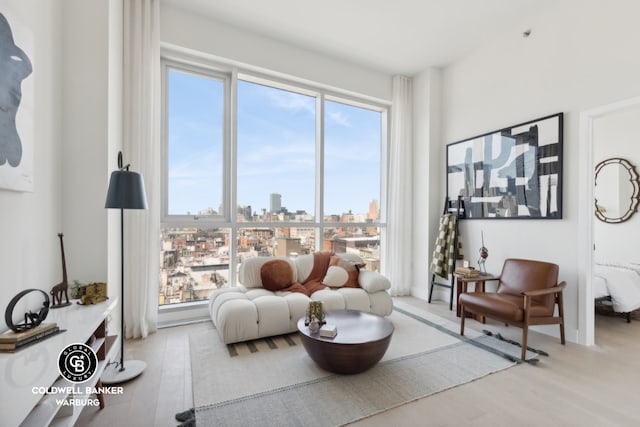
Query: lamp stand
x,y
119,373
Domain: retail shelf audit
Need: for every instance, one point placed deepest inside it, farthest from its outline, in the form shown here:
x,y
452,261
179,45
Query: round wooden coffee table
x,y
361,341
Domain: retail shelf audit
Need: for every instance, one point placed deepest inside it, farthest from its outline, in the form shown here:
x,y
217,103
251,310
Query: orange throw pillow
x,y
276,275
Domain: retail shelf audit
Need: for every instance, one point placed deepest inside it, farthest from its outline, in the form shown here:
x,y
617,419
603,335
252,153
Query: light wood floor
x,y
575,386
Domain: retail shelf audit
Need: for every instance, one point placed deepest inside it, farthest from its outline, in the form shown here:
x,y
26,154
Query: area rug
x,y
274,382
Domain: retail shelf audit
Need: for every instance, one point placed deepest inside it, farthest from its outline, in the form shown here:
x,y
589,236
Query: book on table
x,y
467,271
328,331
11,341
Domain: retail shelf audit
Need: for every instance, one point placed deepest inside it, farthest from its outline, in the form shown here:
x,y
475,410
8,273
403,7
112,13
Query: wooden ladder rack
x,y
460,214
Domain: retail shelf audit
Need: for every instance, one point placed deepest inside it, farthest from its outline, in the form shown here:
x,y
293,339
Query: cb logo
x,y
77,362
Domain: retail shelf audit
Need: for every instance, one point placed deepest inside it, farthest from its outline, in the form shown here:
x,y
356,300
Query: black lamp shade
x,y
126,191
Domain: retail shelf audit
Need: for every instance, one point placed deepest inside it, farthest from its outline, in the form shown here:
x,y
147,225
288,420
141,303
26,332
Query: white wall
x,y
204,35
92,85
114,138
616,135
427,201
30,222
77,116
84,176
579,55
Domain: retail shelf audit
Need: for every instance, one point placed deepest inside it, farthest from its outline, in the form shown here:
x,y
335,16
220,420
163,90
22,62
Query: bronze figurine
x,y
61,288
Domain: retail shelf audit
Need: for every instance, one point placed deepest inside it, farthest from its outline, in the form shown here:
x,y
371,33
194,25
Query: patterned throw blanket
x,y
443,262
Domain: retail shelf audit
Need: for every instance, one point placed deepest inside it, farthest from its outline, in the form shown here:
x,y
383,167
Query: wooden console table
x,y
462,281
27,374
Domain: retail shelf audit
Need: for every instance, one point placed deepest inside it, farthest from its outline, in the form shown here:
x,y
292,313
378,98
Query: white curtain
x,y
400,193
141,148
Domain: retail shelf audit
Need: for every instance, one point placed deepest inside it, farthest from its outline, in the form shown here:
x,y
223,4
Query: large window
x,y
283,169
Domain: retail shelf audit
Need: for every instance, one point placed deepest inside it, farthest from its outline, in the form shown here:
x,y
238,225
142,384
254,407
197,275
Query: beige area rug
x,y
273,382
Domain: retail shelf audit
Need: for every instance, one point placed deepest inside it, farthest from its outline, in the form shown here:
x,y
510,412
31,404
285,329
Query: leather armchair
x,y
527,294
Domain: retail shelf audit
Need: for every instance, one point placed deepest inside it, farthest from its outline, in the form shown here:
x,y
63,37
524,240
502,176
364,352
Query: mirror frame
x,y
635,197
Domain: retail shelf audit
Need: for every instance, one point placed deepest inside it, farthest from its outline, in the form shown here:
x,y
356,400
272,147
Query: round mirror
x,y
617,190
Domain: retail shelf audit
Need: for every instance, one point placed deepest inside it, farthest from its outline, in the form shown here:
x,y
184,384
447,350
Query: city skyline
x,y
283,208
195,261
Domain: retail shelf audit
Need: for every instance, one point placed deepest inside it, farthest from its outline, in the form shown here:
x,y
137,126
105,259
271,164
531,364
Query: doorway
x,y
605,132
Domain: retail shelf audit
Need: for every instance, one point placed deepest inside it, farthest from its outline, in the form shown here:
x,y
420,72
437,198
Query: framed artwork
x,y
16,105
511,173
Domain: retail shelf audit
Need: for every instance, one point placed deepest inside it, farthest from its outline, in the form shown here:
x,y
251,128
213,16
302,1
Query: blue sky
x,y
276,148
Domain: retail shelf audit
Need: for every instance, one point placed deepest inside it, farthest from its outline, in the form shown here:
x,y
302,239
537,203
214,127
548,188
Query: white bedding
x,y
621,282
599,287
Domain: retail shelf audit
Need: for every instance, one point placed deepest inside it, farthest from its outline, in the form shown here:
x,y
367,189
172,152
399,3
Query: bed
x,y
617,285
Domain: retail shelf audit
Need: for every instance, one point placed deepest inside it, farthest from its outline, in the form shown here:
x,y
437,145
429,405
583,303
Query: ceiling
x,y
392,36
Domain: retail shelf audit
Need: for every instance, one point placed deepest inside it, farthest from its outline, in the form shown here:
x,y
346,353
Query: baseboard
x,y
162,325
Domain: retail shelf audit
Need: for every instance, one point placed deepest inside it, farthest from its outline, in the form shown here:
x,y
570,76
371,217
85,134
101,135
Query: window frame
x,y
230,74
182,220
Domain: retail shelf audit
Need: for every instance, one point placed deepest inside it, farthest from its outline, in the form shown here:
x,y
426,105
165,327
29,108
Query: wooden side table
x,y
462,281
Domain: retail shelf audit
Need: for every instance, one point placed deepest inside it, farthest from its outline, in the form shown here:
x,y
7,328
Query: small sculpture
x,y
93,293
315,316
484,253
31,319
61,288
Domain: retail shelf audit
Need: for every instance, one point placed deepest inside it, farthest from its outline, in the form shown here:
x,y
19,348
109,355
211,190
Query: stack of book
x,y
467,271
328,331
13,341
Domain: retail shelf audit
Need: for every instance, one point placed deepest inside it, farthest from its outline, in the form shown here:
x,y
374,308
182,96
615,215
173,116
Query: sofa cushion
x,y
304,265
273,315
276,275
330,299
352,257
355,299
372,281
237,320
298,304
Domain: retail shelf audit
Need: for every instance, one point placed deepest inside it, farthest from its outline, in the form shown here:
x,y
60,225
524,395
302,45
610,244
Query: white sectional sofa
x,y
249,311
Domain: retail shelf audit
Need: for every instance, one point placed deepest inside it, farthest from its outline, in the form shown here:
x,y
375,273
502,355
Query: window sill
x,y
183,314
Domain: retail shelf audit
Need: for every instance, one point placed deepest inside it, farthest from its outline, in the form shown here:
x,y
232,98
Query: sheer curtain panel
x,y
399,199
141,147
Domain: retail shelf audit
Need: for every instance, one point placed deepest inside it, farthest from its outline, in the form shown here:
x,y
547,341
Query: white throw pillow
x,y
372,281
336,277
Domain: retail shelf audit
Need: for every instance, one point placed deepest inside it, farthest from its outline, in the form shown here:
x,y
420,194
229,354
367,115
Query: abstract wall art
x,y
511,173
16,109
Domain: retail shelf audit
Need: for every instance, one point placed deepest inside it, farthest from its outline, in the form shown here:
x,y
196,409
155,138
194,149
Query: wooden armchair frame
x,y
528,320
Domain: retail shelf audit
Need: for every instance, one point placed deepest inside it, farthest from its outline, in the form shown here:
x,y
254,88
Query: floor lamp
x,y
126,191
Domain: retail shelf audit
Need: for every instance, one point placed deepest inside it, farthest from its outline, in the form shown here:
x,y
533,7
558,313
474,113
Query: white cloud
x,y
292,101
339,118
